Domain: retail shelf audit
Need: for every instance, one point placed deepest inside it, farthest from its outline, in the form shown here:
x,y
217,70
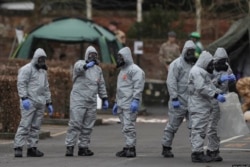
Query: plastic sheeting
x,y
232,122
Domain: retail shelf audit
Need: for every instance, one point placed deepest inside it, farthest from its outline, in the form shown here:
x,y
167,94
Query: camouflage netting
x,y
60,86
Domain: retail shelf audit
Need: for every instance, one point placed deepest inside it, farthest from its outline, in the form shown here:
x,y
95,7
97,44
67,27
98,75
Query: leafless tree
x,y
198,8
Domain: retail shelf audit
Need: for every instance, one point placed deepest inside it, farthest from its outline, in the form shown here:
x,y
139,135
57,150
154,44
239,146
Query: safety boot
x,y
34,152
85,151
215,155
131,152
200,157
18,152
166,152
69,151
122,153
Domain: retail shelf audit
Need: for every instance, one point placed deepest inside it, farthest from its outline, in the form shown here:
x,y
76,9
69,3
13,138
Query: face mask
x,y
120,61
190,56
92,57
41,63
210,67
221,65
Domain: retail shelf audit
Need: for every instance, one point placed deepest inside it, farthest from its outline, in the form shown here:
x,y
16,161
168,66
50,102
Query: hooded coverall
x,y
32,83
177,87
213,139
130,85
201,94
87,83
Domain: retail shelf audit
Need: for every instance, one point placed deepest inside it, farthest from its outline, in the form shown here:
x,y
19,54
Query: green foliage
x,y
156,24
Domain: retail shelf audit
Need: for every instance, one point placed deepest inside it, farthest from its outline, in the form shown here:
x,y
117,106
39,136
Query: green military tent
x,y
71,30
236,42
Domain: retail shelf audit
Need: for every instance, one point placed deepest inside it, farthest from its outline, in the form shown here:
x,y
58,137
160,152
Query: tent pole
x,y
12,46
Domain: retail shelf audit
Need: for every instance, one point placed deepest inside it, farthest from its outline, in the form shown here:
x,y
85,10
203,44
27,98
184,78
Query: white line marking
x,y
235,149
7,142
230,139
58,134
143,120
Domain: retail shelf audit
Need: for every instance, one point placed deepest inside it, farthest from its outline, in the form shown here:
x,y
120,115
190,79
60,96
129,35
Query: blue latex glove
x,y
105,104
224,78
26,104
114,110
51,110
221,98
134,105
231,77
176,103
90,64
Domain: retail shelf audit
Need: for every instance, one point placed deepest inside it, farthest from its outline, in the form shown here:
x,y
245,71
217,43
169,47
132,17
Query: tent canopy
x,y
236,42
71,30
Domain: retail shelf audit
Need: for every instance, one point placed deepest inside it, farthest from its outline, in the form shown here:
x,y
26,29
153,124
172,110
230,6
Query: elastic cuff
x,y
105,98
47,104
219,82
85,67
216,95
24,98
175,99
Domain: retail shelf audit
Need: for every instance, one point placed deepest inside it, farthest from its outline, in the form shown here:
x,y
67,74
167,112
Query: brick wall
x,y
212,29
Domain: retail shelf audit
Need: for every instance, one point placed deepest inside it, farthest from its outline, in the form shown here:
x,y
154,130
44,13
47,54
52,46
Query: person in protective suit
x,y
202,91
222,76
130,85
177,87
33,90
88,81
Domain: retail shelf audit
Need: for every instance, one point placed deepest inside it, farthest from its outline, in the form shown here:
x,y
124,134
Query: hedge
x,y
60,86
9,104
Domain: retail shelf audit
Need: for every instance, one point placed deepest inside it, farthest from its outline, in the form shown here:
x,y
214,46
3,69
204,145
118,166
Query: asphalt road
x,y
107,140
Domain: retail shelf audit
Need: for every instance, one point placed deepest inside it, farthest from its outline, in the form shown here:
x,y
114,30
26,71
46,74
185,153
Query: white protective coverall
x,y
130,85
87,83
32,83
177,83
202,92
213,139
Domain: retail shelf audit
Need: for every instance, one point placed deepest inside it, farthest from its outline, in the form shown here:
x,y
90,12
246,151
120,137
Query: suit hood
x,y
220,53
90,49
38,53
127,55
204,59
188,45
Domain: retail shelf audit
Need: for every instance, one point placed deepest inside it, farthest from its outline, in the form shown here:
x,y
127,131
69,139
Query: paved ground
x,y
107,140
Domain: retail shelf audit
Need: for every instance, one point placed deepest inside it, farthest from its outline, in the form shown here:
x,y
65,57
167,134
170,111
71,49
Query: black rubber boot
x,y
84,151
166,152
34,152
69,151
131,152
200,157
18,152
122,153
215,155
